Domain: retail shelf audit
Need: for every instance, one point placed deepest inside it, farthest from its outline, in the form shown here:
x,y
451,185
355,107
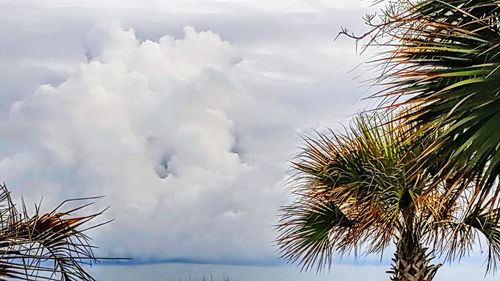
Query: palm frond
x,y
356,177
45,246
444,73
310,230
458,237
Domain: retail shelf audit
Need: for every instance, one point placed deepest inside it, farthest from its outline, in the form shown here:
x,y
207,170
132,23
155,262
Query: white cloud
x,y
187,135
164,130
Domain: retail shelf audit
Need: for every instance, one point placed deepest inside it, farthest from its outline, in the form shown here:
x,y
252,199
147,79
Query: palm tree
x,y
443,73
49,246
354,192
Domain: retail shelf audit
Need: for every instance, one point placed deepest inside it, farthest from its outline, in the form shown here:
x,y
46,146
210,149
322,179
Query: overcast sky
x,y
182,113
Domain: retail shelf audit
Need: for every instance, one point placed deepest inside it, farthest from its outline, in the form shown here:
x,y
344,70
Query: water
x,y
181,272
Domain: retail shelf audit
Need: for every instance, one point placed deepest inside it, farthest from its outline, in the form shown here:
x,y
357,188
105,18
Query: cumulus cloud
x,y
187,135
168,133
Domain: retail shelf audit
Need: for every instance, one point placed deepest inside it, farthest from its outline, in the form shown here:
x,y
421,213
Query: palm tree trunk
x,y
411,262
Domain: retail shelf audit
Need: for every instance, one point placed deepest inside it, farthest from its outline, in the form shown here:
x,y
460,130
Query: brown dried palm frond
x,y
44,246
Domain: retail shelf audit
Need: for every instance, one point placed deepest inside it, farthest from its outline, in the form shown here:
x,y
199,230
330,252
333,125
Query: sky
x,y
183,114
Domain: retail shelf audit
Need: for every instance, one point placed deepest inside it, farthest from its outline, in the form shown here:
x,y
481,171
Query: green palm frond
x,y
309,231
444,72
488,224
458,236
